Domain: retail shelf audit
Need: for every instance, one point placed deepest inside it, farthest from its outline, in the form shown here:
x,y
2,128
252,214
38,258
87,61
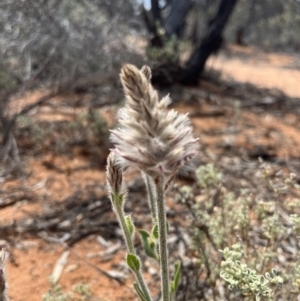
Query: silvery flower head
x,y
156,140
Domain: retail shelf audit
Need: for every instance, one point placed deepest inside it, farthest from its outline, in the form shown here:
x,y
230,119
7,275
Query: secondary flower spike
x,y
114,175
151,137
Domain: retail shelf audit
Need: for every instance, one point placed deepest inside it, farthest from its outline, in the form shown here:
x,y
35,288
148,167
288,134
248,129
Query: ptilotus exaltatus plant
x,y
158,142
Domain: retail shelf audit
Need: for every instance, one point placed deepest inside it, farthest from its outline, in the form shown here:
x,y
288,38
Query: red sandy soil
x,y
33,259
260,69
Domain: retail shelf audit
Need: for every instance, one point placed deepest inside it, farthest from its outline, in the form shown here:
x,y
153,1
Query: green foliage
x,y
255,228
129,224
139,292
154,231
169,53
133,262
247,280
36,132
83,290
149,242
91,125
55,293
49,51
98,124
175,283
208,176
80,292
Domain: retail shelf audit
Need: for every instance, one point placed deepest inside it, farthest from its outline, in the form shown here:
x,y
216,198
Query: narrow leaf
x,y
129,224
177,275
133,262
175,283
148,244
139,292
154,231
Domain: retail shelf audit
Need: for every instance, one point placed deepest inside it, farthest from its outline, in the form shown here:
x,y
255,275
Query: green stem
x,y
143,285
118,206
162,230
127,235
151,199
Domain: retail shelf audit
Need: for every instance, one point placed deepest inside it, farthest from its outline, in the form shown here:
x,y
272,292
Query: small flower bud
x,y
114,175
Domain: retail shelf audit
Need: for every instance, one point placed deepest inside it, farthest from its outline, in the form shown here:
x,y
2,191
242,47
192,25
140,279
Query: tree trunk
x,y
155,11
211,42
174,23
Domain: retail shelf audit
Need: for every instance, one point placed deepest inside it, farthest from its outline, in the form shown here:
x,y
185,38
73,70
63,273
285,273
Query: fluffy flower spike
x,y
151,137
